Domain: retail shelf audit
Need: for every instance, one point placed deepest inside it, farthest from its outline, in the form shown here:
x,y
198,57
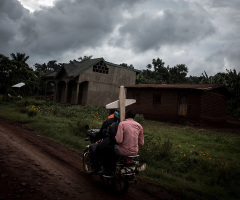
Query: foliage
x,y
47,68
231,80
19,57
85,58
139,118
163,75
127,66
15,71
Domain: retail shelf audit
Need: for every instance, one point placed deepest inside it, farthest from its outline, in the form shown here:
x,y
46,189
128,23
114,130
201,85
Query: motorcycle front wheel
x,y
87,165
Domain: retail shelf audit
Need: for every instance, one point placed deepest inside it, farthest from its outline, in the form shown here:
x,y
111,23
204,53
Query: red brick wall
x,y
213,106
200,105
166,110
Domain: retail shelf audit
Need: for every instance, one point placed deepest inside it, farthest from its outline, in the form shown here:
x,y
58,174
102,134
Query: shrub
x,y
78,128
32,113
139,118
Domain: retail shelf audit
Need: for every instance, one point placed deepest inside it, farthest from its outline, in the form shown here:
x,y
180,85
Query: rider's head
x,y
116,115
130,114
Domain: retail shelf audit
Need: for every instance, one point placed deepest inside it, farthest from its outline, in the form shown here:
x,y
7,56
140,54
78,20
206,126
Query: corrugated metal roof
x,y
177,86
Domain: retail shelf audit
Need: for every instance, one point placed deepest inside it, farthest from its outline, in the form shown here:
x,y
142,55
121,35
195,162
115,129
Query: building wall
x,y
167,109
101,94
104,88
200,104
214,106
116,76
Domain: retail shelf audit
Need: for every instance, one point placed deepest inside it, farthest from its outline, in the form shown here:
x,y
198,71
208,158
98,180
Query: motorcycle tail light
x,y
129,161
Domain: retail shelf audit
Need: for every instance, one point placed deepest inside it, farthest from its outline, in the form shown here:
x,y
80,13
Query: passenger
x,y
129,136
107,140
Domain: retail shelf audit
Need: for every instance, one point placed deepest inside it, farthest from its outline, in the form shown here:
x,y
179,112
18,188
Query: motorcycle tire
x,y
120,185
87,165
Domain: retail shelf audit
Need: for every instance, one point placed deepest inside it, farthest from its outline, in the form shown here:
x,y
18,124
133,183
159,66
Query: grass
x,y
198,163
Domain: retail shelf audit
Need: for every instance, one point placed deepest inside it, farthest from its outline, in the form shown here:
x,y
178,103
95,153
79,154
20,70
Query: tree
x,y
161,72
15,71
127,66
85,58
19,57
6,73
47,68
178,73
231,80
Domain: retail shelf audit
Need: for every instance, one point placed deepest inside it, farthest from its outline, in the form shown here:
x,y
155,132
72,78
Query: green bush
x,y
139,118
32,113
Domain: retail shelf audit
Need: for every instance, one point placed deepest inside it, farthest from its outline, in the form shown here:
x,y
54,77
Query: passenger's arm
x,y
119,135
141,137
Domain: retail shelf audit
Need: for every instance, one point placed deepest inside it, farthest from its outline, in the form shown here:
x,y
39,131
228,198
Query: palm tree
x,y
20,57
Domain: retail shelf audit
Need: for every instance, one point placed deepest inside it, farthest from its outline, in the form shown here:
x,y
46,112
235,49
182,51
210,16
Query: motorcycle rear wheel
x,y
87,165
120,185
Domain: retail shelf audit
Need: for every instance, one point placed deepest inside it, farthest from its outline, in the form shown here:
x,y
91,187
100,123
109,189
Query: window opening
x,y
101,67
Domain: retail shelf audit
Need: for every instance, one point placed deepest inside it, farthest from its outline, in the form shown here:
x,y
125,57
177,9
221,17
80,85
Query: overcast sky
x,y
204,35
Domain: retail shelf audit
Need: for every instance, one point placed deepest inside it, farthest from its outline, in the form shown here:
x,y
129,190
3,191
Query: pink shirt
x,y
129,136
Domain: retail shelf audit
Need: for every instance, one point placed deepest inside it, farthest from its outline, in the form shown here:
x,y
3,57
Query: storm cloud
x,y
201,34
167,27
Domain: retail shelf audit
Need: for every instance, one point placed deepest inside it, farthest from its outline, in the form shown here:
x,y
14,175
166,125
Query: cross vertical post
x,y
122,99
121,103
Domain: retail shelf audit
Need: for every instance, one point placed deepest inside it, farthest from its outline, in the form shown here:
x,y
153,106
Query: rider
x,y
129,136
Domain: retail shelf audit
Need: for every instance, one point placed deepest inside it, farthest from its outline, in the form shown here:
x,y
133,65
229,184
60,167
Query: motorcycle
x,y
127,167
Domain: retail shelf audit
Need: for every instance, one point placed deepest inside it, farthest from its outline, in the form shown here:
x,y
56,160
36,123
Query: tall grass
x,y
199,163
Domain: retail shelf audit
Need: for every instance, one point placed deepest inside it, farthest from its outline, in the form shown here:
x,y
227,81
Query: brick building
x,y
179,101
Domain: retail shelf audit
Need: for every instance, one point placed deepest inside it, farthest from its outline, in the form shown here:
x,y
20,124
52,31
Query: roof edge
x,y
116,65
97,60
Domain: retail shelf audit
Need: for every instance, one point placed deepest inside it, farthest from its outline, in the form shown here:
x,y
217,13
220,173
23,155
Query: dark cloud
x,y
65,26
169,27
11,13
206,31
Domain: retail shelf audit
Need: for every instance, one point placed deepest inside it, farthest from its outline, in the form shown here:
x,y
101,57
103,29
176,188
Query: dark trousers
x,y
106,155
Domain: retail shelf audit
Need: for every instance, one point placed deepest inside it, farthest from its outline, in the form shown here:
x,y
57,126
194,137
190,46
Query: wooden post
x,y
122,99
121,103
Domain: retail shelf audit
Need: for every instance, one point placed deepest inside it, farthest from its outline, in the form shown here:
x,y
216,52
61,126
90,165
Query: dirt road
x,y
34,167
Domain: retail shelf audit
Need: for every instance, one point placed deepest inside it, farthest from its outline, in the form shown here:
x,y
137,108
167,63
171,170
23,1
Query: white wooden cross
x,y
121,103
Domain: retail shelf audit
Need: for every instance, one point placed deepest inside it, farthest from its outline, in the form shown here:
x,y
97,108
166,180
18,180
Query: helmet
x,y
117,114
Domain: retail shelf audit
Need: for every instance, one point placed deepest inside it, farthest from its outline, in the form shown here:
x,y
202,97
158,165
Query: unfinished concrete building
x,y
94,81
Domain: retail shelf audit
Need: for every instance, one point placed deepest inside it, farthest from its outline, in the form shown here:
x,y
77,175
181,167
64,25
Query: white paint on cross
x,y
121,103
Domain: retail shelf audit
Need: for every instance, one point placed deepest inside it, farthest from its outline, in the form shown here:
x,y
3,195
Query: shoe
x,y
108,174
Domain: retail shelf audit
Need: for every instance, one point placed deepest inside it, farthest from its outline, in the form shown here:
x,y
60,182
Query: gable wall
x,y
117,76
104,88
